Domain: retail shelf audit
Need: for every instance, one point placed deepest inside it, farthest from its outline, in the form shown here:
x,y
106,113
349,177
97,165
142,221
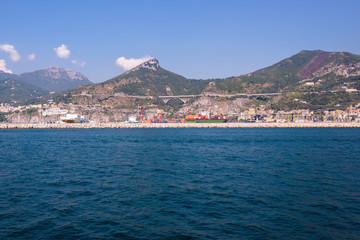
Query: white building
x,y
54,111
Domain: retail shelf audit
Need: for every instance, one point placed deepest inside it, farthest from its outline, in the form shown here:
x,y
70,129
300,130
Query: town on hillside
x,y
51,112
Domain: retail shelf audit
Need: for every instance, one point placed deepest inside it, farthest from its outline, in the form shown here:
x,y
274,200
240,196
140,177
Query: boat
x,y
74,118
132,119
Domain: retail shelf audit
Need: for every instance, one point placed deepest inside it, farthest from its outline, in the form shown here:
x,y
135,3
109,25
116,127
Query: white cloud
x,y
14,56
81,64
32,57
130,63
62,51
3,66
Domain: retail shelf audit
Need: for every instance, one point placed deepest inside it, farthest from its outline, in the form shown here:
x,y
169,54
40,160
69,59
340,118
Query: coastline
x,y
178,125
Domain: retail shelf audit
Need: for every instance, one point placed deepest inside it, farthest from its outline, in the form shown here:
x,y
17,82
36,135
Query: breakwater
x,y
177,125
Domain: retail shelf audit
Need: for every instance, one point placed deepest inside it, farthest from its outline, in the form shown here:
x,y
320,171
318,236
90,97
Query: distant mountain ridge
x,y
4,75
51,79
31,85
55,78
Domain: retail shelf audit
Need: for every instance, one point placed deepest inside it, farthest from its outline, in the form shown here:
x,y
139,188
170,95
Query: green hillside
x,y
12,90
287,74
147,81
154,83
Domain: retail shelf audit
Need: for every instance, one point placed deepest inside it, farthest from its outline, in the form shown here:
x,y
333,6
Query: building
x,y
54,111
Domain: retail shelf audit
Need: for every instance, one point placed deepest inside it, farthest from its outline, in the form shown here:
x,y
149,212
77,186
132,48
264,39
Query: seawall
x,y
176,125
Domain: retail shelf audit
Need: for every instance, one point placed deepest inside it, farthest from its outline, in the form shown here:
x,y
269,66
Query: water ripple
x,y
180,184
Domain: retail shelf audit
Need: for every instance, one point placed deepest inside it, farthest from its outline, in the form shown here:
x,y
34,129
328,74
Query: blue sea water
x,y
180,184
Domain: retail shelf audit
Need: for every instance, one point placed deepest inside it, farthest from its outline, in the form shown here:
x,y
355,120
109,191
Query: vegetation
x,y
316,101
3,117
66,98
155,83
12,90
287,74
256,102
31,111
35,101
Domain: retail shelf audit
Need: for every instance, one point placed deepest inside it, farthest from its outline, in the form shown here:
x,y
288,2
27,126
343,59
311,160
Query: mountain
x,y
147,79
4,75
12,90
321,80
305,71
54,79
326,70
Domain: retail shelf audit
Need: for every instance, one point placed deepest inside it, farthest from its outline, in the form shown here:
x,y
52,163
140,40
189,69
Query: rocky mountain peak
x,y
53,72
152,64
58,72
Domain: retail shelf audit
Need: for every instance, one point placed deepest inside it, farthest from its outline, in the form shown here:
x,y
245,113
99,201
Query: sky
x,y
198,39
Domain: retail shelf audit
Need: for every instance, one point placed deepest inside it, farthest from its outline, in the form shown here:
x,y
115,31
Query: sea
x,y
299,183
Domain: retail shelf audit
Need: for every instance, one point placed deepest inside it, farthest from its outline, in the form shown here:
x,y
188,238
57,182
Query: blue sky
x,y
195,38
